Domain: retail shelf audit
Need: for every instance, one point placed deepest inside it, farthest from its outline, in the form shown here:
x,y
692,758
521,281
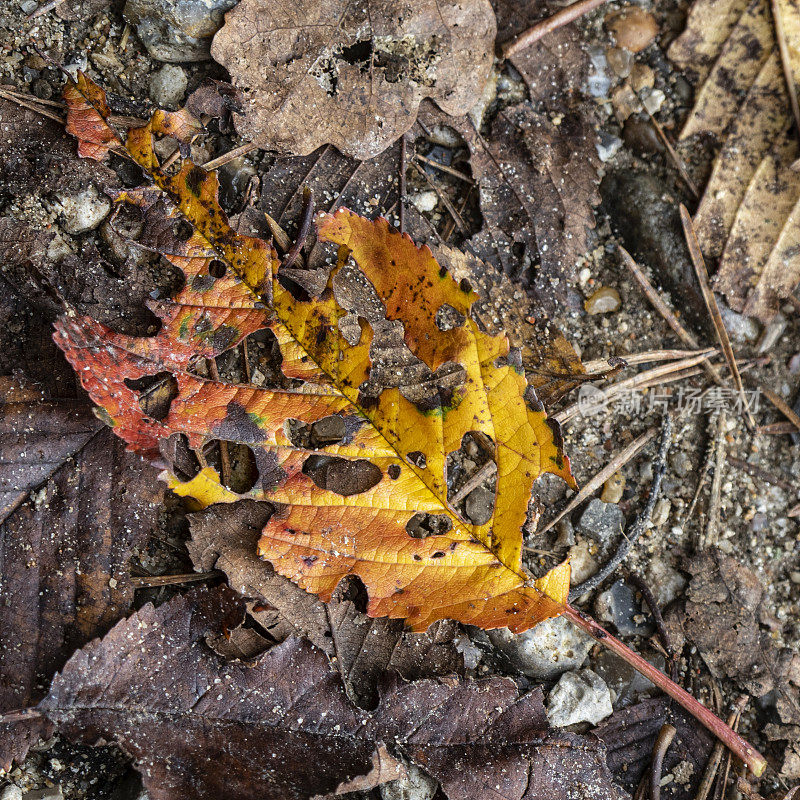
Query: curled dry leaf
x,y
284,728
749,213
350,499
361,70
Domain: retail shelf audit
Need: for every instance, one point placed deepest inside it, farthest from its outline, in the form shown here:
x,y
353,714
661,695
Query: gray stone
x,y
168,86
177,30
11,793
619,605
546,651
773,331
479,505
740,328
665,582
602,522
83,211
579,697
625,684
415,786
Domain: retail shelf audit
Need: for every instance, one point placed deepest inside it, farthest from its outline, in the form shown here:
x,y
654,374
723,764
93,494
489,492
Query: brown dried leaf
x,y
224,537
538,184
751,206
36,437
285,729
629,734
66,563
359,70
721,618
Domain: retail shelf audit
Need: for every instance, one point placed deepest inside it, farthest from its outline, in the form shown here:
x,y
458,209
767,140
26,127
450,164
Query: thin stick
x,y
646,357
630,538
242,150
484,473
545,26
444,168
712,765
677,160
660,747
711,536
780,404
401,186
169,580
608,470
638,381
31,107
647,594
305,227
759,472
32,97
43,9
666,312
788,73
713,310
777,429
741,748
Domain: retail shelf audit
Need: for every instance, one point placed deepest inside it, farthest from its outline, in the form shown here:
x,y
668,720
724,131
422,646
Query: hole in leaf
x,y
182,230
448,318
341,475
156,393
217,268
241,474
417,458
470,480
323,432
423,525
358,53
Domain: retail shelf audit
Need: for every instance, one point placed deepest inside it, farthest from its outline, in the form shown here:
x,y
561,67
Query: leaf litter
x,y
594,351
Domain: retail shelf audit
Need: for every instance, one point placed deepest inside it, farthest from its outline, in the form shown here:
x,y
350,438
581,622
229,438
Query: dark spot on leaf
x,y
194,180
394,471
341,475
465,286
417,458
309,560
182,230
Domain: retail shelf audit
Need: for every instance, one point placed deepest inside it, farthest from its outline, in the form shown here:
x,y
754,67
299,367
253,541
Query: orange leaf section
x,y
87,112
317,536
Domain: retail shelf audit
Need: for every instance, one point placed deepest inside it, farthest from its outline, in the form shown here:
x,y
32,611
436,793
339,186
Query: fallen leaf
x,y
344,505
629,735
362,69
36,437
721,616
284,728
66,556
538,183
749,212
225,537
549,360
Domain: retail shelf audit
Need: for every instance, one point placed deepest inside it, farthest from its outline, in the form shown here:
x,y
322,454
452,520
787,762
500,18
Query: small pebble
x,y
620,61
642,77
625,102
654,101
640,135
605,300
607,146
613,488
83,211
773,331
633,28
582,563
424,201
416,785
578,697
168,86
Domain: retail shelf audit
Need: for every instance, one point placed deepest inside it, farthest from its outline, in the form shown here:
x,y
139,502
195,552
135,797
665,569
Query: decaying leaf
x,y
629,735
225,537
284,728
748,216
538,185
362,70
66,557
390,358
549,360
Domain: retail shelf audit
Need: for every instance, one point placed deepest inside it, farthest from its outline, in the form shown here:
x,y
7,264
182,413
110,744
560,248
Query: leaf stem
x,y
740,747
